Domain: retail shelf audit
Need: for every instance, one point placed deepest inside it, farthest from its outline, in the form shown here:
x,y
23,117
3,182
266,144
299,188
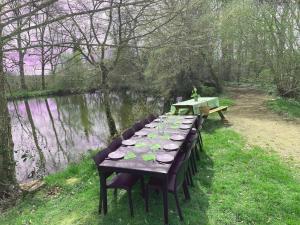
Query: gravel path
x,y
262,127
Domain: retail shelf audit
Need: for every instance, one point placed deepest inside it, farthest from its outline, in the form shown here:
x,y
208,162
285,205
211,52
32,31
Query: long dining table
x,y
145,151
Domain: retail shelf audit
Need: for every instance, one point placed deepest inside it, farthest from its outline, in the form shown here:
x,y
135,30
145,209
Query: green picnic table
x,y
192,106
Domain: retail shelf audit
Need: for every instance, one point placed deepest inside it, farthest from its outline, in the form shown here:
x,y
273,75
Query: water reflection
x,y
50,133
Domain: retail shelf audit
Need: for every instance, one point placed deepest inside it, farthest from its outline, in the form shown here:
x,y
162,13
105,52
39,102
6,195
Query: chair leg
x,y
143,187
190,175
130,202
178,206
201,141
147,198
186,190
193,161
100,204
188,178
197,150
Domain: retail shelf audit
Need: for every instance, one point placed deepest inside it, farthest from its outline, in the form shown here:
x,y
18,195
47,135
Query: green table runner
x,y
211,102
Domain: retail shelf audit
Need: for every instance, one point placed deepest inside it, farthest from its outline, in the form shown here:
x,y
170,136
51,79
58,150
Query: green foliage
x,y
261,39
75,74
287,107
170,72
208,91
236,184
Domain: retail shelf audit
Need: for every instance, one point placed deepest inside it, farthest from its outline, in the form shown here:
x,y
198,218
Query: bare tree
x,y
132,20
104,34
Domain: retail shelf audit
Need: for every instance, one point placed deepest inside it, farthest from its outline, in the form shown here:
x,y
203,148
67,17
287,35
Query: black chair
x,y
126,182
199,124
138,126
120,181
192,139
128,134
151,117
144,122
99,158
116,143
176,180
180,157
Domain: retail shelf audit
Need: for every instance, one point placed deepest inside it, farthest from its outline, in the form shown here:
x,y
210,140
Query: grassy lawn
x,y
226,101
236,184
290,108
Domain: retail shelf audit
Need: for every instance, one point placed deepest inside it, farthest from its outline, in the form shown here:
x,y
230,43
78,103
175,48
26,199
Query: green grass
x,y
287,107
226,101
236,184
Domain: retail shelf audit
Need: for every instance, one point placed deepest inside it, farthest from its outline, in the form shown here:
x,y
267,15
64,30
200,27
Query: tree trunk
x,y
104,75
110,120
21,62
8,182
43,61
227,51
43,76
214,76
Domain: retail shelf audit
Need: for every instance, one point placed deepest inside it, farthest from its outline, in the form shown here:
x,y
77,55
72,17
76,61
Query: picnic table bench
x,y
204,106
219,110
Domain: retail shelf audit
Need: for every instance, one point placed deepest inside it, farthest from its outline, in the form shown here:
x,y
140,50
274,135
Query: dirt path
x,y
262,127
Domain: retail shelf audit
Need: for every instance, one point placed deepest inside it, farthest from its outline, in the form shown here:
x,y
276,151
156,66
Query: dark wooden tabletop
x,y
145,145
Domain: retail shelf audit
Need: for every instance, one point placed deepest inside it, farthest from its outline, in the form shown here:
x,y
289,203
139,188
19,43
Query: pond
x,y
50,133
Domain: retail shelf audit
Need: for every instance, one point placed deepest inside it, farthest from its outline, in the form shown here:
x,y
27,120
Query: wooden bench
x,y
219,110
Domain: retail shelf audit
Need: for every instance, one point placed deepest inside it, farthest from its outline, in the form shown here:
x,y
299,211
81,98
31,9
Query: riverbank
x,y
236,184
18,95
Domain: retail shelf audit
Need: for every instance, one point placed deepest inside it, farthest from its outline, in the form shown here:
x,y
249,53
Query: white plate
x,y
164,158
171,147
129,142
187,121
184,127
189,117
177,137
141,133
116,155
150,125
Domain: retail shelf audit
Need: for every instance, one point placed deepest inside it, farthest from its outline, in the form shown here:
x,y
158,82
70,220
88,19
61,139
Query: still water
x,y
50,133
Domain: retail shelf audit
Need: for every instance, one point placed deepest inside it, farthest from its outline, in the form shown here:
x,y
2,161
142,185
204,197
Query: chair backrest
x,y
138,126
151,117
128,133
144,122
116,143
199,122
182,169
100,156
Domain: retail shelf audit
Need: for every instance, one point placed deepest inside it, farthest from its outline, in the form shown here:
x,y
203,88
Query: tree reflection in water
x,y
50,133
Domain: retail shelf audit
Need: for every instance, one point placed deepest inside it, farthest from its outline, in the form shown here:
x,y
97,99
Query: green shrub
x,y
208,91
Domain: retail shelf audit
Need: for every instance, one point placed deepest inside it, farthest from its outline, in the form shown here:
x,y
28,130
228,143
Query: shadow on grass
x,y
210,125
194,210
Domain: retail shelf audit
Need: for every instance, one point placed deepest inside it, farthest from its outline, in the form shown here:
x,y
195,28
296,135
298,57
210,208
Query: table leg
x,y
165,200
103,192
221,115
